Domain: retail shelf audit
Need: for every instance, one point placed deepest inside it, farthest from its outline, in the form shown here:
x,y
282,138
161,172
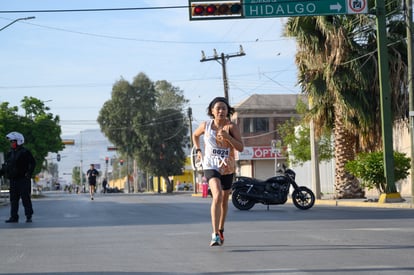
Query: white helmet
x,y
16,136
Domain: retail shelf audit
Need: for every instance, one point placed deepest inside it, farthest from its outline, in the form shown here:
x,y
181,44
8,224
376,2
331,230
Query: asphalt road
x,y
170,234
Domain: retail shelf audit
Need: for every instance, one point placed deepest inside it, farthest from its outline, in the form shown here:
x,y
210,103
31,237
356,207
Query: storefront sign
x,y
258,152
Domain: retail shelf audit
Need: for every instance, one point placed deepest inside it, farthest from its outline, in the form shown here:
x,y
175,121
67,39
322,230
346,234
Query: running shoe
x,y
215,240
221,235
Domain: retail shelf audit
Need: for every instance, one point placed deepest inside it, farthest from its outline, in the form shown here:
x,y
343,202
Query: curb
x,y
405,205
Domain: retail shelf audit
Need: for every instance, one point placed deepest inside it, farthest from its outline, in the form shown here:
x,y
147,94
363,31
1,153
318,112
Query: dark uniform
x,y
18,168
92,173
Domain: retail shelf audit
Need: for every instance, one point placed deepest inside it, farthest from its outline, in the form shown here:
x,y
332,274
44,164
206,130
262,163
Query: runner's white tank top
x,y
218,155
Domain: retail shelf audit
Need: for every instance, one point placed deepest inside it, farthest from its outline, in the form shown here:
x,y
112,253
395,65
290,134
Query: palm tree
x,y
337,66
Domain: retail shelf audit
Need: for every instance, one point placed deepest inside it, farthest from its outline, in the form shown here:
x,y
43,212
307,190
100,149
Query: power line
x,y
94,85
95,10
154,40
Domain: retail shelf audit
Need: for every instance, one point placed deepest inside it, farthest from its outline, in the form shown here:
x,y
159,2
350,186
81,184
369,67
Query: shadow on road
x,y
124,210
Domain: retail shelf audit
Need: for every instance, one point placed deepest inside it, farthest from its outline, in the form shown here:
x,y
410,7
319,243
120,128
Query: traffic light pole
x,y
409,24
391,194
222,59
18,19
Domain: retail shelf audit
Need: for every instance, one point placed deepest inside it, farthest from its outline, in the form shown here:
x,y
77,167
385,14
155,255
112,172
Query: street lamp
x,y
18,19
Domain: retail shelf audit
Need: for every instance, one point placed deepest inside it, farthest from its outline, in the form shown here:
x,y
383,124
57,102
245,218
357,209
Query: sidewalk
x,y
364,202
4,198
367,202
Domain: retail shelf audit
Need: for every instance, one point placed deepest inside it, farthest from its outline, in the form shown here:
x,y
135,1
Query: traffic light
x,y
204,10
111,148
68,141
106,160
121,162
58,157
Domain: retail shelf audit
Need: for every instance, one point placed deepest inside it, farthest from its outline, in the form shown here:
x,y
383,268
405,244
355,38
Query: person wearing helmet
x,y
18,168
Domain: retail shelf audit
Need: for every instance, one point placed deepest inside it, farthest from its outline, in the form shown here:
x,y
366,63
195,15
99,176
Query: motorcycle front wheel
x,y
303,198
241,202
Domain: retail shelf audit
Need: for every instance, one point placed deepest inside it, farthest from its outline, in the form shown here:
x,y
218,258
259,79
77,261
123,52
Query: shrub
x,y
369,168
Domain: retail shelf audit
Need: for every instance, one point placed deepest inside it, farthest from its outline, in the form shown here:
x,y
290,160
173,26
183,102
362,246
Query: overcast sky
x,y
71,59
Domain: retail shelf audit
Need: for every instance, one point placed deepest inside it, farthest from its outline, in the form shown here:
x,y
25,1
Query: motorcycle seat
x,y
251,180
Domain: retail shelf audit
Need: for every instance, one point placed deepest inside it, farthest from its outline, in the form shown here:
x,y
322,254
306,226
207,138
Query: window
x,y
255,124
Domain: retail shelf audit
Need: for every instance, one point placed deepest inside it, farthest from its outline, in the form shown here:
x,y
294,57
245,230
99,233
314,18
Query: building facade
x,y
259,117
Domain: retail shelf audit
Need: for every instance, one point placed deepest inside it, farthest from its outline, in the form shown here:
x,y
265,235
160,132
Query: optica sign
x,y
258,152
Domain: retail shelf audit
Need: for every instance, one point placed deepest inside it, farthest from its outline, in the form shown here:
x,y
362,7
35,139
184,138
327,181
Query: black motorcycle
x,y
275,190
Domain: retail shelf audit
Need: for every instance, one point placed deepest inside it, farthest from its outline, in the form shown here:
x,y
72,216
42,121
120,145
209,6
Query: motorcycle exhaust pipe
x,y
252,196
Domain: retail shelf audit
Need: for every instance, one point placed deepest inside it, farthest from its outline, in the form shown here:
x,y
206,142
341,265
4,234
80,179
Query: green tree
x,y
126,118
53,170
167,156
76,176
145,121
369,167
168,96
337,64
296,133
40,128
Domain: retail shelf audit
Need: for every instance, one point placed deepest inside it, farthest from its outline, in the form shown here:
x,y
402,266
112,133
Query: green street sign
x,y
290,8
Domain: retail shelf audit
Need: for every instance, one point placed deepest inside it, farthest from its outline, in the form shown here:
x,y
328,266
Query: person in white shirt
x,y
221,138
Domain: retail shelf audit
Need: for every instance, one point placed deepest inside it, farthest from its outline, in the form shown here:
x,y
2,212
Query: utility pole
x,y
316,183
127,171
409,24
222,59
190,119
81,161
385,91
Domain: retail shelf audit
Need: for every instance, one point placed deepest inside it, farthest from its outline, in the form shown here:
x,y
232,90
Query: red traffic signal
x,y
198,10
121,162
204,10
111,148
211,9
216,10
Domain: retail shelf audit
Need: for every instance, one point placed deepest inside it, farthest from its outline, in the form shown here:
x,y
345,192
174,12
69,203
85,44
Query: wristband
x,y
198,150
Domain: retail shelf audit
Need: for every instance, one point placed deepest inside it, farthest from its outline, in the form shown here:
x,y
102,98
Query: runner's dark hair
x,y
219,99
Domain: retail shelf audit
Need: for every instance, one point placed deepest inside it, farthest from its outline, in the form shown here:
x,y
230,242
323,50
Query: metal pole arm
x,y
18,19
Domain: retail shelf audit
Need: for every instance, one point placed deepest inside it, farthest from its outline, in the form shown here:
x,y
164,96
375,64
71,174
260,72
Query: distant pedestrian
x,y
18,168
104,184
91,174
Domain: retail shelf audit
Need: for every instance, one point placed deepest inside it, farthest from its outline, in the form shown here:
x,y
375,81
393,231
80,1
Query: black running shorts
x,y
226,180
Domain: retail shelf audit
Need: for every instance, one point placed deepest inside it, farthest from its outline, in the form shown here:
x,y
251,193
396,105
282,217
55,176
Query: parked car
x,y
113,190
184,187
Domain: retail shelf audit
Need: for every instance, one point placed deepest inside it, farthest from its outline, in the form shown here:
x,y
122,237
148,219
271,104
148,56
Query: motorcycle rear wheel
x,y
303,198
241,202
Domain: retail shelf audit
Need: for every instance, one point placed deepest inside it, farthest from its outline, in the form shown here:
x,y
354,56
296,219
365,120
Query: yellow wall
x,y
119,183
187,177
